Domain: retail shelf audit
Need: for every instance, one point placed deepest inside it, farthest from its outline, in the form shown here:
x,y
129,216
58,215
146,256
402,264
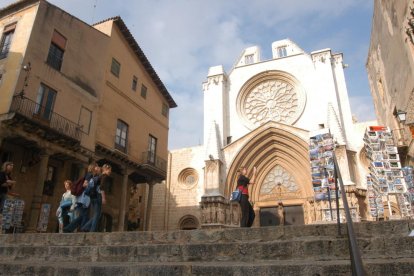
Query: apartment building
x,y
71,93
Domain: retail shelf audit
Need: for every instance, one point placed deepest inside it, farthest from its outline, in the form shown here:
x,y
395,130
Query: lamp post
x,y
401,116
26,68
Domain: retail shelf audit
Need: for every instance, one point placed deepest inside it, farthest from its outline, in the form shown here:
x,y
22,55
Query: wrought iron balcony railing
x,y
45,117
150,158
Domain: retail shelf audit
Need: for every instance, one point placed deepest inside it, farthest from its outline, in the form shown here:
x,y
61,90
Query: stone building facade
x,y
390,64
263,113
71,93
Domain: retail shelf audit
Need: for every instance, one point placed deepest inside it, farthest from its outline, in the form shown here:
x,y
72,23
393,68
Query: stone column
x,y
148,216
342,158
122,205
256,222
37,196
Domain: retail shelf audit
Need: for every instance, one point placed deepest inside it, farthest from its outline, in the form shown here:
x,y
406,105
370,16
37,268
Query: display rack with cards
x,y
12,215
321,151
386,175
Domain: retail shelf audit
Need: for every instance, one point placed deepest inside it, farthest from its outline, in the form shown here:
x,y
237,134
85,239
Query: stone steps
x,y
310,249
371,229
313,250
380,267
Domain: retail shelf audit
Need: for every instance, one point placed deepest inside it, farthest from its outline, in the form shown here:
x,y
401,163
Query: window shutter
x,y
59,40
9,28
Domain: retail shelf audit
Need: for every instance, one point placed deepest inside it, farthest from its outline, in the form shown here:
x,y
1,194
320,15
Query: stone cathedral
x,y
262,113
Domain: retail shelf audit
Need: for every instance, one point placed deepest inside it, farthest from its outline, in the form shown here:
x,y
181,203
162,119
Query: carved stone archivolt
x,y
272,96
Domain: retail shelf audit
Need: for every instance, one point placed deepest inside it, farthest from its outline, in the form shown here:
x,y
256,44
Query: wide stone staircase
x,y
386,249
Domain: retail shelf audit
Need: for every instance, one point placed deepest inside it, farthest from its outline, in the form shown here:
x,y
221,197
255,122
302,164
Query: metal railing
x,y
356,260
151,158
44,116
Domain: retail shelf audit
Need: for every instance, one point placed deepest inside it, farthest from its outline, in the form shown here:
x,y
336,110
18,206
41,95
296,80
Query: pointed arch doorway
x,y
281,155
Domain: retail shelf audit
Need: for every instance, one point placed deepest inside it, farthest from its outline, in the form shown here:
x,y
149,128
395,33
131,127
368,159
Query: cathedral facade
x,y
262,113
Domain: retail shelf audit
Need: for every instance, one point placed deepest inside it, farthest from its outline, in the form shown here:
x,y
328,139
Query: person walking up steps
x,y
246,208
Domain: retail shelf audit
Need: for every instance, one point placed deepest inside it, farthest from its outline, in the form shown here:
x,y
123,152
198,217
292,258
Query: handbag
x,y
236,195
84,200
65,203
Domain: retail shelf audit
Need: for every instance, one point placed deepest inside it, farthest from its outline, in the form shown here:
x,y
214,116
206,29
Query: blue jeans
x,y
79,221
96,207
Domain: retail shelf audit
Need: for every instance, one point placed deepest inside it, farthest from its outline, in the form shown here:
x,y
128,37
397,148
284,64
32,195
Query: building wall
x,y
119,101
232,141
390,64
79,83
180,197
320,75
10,67
84,83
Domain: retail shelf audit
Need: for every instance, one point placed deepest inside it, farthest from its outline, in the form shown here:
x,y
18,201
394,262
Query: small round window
x,y
188,178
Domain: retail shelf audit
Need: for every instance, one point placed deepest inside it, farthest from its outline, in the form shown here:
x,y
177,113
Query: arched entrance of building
x,y
188,222
281,155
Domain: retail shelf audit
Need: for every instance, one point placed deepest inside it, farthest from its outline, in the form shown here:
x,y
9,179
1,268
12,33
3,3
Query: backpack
x,y
77,187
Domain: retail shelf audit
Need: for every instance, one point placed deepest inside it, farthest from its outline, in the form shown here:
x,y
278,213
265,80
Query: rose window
x,y
273,96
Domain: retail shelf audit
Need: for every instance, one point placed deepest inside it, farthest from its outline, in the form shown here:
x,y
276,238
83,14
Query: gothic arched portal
x,y
281,155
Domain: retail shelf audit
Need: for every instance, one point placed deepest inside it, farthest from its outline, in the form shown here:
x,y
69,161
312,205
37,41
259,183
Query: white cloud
x,y
362,107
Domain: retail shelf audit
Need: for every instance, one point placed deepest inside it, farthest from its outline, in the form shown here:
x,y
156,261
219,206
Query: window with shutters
x,y
6,40
56,51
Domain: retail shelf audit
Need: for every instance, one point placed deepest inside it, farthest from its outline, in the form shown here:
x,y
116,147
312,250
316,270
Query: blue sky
x,y
183,38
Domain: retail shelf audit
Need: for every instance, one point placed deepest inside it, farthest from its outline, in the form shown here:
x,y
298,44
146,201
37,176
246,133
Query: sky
x,y
183,38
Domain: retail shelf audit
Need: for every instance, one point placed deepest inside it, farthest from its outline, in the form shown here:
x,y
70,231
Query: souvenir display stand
x,y
385,183
43,217
11,219
321,153
322,165
408,174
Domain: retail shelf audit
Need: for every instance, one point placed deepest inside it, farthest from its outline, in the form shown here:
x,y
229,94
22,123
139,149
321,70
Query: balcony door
x,y
45,102
152,148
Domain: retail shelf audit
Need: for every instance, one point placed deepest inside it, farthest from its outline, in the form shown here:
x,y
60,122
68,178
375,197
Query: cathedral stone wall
x,y
158,206
261,114
180,197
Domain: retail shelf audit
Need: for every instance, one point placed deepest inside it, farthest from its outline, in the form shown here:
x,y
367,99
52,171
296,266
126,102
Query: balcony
x,y
44,122
154,165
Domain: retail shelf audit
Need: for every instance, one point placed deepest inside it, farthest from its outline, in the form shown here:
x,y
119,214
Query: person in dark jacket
x,y
6,182
246,208
98,197
83,207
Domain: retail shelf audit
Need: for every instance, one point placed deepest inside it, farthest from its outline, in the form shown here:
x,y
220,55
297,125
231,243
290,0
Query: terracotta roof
x,y
141,56
16,6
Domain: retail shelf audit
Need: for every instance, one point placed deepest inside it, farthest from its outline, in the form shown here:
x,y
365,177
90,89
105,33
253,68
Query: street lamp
x,y
401,116
27,69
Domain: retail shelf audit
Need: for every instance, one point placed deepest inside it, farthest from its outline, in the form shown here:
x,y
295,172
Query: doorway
x,y
293,216
268,216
